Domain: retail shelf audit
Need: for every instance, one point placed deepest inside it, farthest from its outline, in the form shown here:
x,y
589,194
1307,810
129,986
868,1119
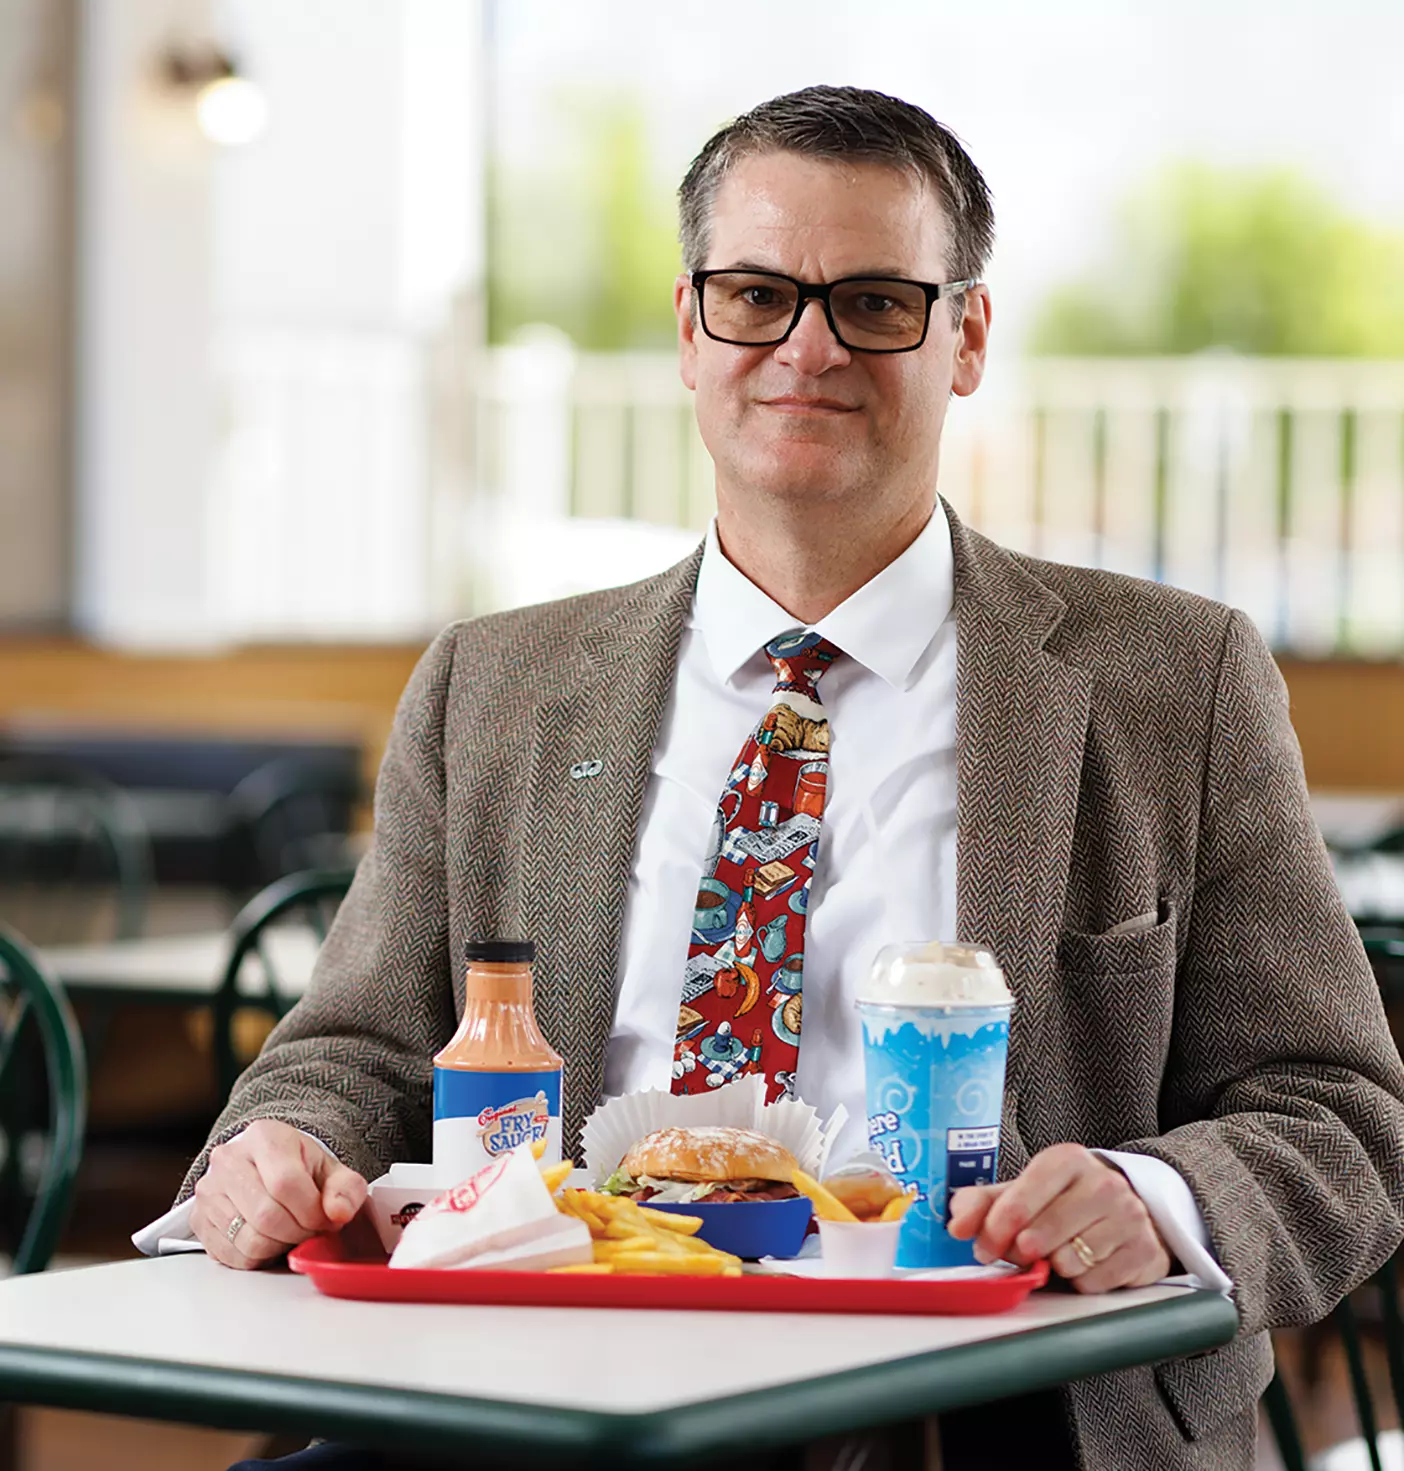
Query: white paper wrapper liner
x,y
619,1123
565,1243
512,1207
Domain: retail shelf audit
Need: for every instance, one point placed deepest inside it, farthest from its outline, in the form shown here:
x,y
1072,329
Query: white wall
x,y
270,336
143,409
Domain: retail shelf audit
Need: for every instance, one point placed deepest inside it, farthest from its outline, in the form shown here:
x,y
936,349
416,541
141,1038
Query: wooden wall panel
x,y
1349,716
1350,720
284,691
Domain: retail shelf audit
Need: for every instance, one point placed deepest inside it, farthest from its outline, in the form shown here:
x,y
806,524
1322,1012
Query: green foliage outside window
x,y
591,246
1259,262
1262,262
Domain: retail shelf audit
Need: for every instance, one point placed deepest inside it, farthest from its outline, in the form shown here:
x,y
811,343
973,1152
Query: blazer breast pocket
x,y
1128,953
1110,1015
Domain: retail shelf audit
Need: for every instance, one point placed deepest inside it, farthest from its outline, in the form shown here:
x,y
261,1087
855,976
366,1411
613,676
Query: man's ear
x,y
687,330
974,338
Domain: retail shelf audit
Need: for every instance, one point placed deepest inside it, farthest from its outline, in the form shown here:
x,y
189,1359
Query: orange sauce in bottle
x,y
497,1084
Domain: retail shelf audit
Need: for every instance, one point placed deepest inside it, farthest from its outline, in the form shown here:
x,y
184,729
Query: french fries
x,y
554,1176
827,1206
683,1225
896,1208
538,1147
630,1239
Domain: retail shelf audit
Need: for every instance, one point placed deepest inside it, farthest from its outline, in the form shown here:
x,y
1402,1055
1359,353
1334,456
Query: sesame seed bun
x,y
710,1154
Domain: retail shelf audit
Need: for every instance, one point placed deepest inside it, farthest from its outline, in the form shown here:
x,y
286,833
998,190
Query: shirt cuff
x,y
1176,1215
171,1233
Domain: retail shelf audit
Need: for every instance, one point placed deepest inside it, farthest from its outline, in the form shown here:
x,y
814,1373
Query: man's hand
x,y
285,1186
1066,1197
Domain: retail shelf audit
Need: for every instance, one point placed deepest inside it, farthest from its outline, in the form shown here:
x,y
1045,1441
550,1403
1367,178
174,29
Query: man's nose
x,y
812,347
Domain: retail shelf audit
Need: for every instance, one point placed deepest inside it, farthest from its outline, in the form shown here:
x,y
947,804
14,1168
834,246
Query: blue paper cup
x,y
935,1093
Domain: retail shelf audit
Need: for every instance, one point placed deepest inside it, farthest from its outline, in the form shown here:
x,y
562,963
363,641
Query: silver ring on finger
x,y
1083,1252
234,1227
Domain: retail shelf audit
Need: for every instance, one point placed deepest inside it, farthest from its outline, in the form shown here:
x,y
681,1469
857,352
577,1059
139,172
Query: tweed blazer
x,y
1123,748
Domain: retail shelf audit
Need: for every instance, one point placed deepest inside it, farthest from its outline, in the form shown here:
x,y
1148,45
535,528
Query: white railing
x,y
1277,485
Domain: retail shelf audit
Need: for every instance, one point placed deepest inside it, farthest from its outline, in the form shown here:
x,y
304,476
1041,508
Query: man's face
x,y
810,421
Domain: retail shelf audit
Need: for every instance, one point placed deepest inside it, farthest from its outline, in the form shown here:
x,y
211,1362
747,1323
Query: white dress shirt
x,y
887,865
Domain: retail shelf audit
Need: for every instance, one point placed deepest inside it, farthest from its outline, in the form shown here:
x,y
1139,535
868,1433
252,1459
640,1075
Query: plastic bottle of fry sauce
x,y
498,1082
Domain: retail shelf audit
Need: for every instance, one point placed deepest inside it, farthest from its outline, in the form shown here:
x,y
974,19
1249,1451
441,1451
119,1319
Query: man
x,y
1095,777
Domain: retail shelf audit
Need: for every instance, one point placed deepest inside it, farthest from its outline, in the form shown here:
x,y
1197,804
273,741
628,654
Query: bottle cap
x,y
502,952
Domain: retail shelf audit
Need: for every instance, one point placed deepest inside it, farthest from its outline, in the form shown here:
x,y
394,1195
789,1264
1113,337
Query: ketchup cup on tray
x,y
860,1209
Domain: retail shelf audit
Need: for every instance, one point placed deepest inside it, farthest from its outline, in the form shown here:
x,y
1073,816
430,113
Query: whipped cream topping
x,y
936,973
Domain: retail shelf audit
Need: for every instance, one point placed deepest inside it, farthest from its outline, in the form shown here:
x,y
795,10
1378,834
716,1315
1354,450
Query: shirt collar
x,y
886,625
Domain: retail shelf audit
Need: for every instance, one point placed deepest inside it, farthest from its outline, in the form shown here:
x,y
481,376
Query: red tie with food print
x,y
742,987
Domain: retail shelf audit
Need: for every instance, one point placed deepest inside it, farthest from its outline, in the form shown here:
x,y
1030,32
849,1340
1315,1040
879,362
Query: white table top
x,y
184,965
188,1310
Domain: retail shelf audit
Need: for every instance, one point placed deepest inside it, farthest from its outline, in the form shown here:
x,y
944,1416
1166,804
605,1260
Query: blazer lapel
x,y
1021,720
590,764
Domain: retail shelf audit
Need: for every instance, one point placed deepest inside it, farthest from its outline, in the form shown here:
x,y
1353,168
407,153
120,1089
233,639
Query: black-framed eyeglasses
x,y
865,313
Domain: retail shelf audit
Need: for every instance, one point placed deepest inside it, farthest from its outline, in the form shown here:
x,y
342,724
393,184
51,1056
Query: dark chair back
x,y
1383,1290
43,1106
75,855
308,899
290,815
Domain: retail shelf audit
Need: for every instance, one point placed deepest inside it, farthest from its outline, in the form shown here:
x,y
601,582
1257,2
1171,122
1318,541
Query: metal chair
x,y
310,899
1369,1448
41,1156
290,815
75,855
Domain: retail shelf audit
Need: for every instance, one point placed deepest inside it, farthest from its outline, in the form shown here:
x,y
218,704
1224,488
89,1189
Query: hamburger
x,y
713,1164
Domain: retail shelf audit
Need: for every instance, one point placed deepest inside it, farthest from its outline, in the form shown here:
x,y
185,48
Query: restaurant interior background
x,y
325,322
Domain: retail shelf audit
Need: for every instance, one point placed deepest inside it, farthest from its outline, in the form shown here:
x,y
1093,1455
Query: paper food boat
x,y
774,1228
502,1217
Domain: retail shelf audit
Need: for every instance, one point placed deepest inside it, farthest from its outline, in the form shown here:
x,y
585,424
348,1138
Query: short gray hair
x,y
860,126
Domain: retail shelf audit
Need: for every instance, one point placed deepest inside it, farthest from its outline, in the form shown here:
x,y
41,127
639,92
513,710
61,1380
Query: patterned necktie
x,y
741,995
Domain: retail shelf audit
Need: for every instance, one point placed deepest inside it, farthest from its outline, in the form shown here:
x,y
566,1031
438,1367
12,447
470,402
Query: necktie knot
x,y
800,660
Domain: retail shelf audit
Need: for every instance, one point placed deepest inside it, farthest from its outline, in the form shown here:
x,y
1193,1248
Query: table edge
x,y
886,1392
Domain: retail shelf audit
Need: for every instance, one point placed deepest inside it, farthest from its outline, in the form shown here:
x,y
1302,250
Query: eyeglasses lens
x,y
741,306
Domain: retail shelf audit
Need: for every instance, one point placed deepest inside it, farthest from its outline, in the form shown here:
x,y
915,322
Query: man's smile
x,y
793,403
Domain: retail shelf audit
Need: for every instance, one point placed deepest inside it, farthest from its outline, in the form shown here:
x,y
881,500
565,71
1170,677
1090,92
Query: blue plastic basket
x,y
748,1228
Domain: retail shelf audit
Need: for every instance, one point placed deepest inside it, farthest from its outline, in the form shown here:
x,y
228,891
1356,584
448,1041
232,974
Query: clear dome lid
x,y
935,973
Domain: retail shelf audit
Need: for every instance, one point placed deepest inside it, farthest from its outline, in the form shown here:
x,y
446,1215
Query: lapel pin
x,y
586,768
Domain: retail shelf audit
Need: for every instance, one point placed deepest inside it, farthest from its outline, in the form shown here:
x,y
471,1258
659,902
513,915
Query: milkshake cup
x,y
935,1021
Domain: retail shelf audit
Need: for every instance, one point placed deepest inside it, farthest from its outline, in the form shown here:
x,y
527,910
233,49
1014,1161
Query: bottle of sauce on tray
x,y
498,1082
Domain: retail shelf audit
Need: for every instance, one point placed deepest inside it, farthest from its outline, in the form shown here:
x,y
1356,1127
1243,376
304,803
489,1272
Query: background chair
x,y
75,855
290,815
1376,1303
309,900
40,1154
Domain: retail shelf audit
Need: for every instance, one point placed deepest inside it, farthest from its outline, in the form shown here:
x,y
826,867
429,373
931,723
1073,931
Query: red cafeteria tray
x,y
339,1271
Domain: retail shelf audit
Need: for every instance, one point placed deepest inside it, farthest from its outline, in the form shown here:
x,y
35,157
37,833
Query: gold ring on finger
x,y
1083,1252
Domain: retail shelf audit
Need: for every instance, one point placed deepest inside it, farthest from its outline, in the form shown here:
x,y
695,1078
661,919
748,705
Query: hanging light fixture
x,y
230,109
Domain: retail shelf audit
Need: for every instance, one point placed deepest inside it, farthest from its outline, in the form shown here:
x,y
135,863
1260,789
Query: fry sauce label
x,y
522,1121
480,1116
